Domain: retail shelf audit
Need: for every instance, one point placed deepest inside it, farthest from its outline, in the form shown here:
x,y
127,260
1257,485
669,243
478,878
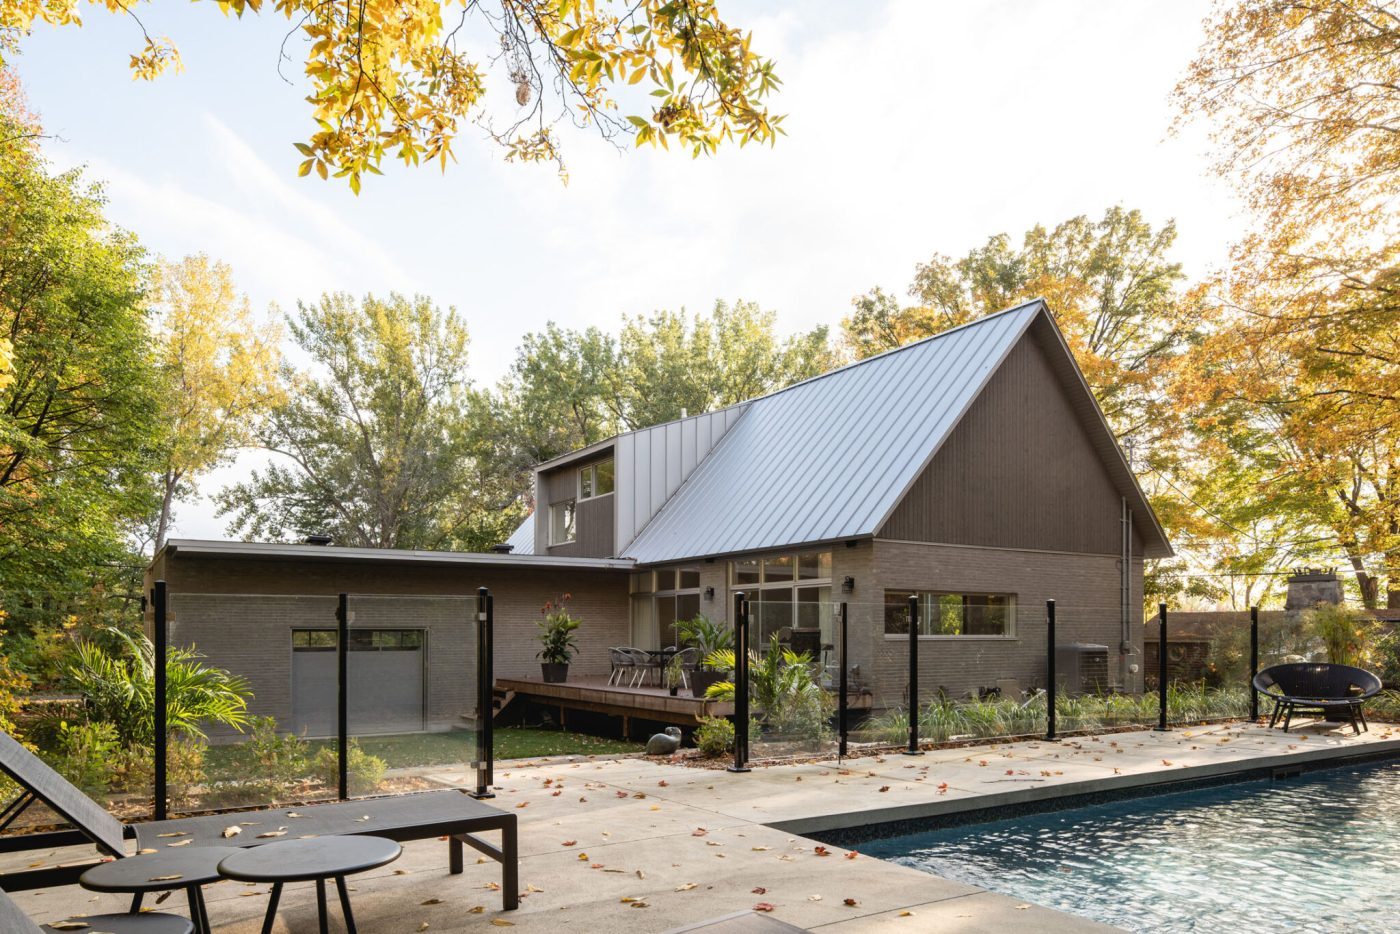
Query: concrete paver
x,y
633,845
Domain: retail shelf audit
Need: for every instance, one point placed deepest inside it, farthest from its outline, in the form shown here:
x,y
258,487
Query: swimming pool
x,y
1316,853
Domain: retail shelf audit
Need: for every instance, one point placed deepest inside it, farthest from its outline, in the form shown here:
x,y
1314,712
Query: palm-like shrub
x,y
783,688
708,636
120,690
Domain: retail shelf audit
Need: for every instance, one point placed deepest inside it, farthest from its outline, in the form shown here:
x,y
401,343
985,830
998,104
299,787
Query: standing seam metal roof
x,y
830,457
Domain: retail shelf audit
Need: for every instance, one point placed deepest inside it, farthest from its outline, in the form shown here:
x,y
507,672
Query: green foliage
x,y
364,771
84,753
1346,633
715,736
377,442
120,690
556,633
783,689
1386,655
277,760
708,636
79,400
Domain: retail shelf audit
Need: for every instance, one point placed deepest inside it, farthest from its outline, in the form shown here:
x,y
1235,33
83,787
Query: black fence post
x,y
342,695
1253,661
842,685
1050,685
1161,667
913,749
485,697
159,600
741,683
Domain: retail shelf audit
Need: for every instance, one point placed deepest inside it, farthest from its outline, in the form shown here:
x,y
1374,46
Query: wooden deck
x,y
644,702
597,696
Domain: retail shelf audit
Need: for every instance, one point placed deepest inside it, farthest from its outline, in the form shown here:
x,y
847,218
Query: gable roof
x,y
831,457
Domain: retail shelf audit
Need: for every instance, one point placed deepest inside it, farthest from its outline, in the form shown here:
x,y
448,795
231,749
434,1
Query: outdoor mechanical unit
x,y
1081,668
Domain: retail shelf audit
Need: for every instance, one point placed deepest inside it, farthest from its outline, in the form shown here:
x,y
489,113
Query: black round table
x,y
310,859
126,924
186,868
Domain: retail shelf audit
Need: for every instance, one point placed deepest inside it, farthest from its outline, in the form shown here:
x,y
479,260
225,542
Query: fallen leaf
x,y
621,794
764,906
431,901
180,843
272,833
171,878
821,851
760,890
568,843
423,926
502,923
699,832
884,787
687,887
849,902
178,833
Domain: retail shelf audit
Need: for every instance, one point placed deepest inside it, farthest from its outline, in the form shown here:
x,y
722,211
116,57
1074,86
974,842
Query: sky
x,y
914,127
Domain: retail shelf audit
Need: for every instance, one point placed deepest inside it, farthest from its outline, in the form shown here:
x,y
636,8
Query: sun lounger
x,y
418,816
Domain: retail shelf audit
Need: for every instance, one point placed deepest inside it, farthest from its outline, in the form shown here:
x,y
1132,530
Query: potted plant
x,y
708,637
673,674
556,637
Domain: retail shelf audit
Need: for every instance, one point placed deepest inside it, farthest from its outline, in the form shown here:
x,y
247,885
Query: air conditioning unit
x,y
1081,668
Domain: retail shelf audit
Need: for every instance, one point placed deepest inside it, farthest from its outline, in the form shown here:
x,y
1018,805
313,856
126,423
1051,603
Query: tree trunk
x,y
167,499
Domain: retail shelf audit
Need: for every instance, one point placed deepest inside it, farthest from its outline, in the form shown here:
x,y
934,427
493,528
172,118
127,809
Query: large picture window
x,y
943,613
595,480
660,599
786,592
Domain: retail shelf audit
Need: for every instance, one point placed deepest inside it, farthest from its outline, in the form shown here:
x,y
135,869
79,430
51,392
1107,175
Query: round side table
x,y
187,868
311,859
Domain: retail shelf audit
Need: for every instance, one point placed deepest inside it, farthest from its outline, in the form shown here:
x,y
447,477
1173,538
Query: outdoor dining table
x,y
661,658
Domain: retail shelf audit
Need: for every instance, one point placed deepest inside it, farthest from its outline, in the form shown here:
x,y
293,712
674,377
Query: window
x,y
361,640
786,592
561,522
952,614
677,598
595,480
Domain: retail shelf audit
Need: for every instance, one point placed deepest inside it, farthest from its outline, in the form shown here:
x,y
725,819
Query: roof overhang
x,y
274,551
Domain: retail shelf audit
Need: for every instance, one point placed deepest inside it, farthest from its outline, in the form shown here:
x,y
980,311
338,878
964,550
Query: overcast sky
x,y
913,126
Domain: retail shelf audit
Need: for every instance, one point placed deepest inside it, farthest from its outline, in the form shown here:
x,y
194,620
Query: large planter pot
x,y
700,681
554,672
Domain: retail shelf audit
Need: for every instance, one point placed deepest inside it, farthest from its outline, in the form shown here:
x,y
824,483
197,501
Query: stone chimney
x,y
1307,587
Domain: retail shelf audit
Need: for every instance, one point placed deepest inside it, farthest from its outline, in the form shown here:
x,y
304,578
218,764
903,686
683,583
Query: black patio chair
x,y
15,921
1317,687
422,815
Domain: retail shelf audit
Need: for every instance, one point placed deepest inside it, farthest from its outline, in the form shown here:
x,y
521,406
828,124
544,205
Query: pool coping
x,y
849,828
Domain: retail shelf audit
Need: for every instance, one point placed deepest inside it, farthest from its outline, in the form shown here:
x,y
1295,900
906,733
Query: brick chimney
x,y
1307,587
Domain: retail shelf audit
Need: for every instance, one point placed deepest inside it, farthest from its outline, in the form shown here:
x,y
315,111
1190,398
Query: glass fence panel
x,y
413,693
249,680
794,678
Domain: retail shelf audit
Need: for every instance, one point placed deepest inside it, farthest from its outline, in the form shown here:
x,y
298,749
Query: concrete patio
x,y
631,845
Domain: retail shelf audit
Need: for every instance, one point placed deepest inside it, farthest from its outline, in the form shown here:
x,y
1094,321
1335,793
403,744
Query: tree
x,y
389,77
219,371
1109,283
671,364
1303,348
374,446
80,402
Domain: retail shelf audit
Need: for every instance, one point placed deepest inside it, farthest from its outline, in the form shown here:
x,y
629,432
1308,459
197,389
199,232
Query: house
x,y
972,468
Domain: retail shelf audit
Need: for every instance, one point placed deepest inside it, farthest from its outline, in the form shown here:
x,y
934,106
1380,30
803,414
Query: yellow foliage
x,y
387,76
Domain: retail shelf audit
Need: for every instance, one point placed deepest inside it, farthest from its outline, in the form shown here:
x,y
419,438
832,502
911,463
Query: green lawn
x,y
413,749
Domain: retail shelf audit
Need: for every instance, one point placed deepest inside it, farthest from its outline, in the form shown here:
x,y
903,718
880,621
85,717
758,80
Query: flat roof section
x,y
197,548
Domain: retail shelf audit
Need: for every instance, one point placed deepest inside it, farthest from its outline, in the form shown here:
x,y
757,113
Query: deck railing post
x,y
1161,667
342,695
485,696
1050,685
913,749
1253,661
741,683
842,685
159,600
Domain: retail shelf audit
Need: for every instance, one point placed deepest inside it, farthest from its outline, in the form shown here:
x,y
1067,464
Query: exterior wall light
x,y
848,584
709,593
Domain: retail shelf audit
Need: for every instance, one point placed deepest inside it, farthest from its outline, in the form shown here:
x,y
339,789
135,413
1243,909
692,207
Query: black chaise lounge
x,y
1317,688
418,816
14,921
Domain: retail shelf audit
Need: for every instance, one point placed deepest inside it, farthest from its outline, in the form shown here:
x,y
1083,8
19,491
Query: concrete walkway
x,y
631,845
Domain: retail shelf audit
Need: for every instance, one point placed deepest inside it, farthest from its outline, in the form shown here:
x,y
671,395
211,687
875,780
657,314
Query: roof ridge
x,y
902,347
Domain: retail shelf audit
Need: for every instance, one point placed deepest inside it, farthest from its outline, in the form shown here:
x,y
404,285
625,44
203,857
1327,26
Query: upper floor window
x,y
595,479
952,614
561,522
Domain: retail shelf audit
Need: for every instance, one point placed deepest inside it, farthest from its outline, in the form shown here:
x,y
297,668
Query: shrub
x,y
715,736
784,690
1346,633
365,771
267,757
556,633
120,690
84,753
707,636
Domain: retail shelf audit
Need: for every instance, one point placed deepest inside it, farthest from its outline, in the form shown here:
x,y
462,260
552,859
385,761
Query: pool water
x,y
1317,853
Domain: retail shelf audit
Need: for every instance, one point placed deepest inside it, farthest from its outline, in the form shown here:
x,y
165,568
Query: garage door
x,y
385,668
